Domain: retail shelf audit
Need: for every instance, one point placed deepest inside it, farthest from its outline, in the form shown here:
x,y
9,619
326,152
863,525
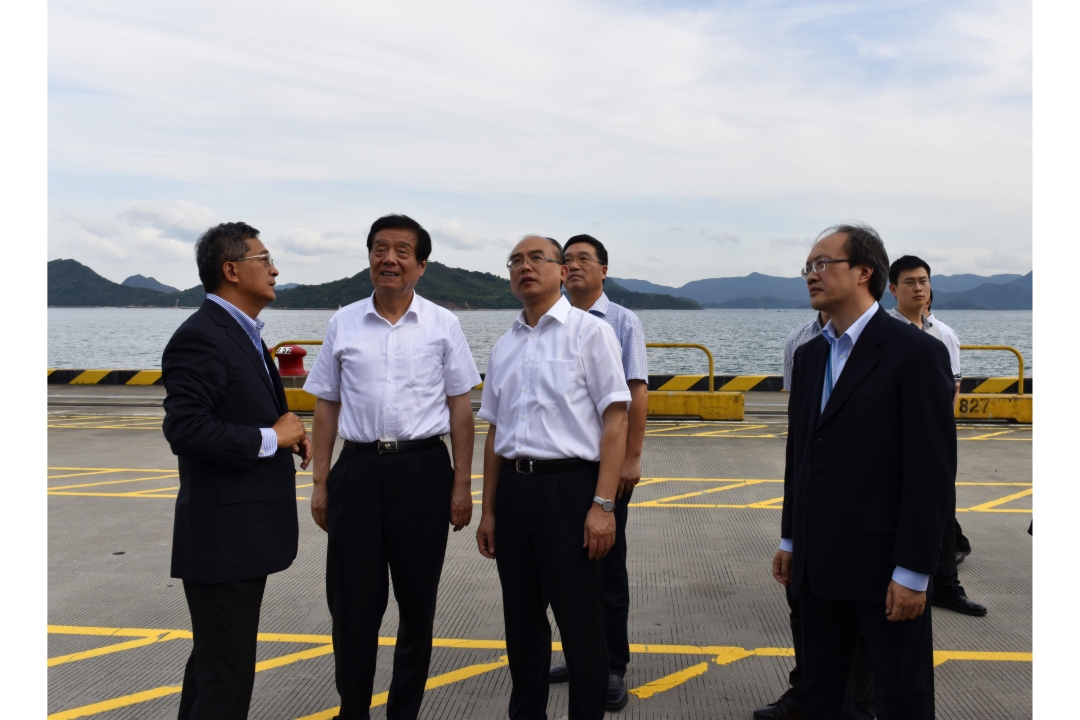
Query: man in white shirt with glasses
x,y
393,376
555,396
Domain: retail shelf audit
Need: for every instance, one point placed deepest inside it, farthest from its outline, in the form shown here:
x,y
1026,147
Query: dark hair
x,y
219,245
864,247
601,251
905,263
557,246
931,303
402,222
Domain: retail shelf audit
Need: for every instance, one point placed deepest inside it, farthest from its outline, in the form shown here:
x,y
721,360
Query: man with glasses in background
x,y
393,375
555,397
587,263
227,420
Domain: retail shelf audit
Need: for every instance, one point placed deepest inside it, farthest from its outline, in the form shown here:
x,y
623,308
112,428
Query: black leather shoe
x,y
558,673
617,697
960,604
960,555
788,707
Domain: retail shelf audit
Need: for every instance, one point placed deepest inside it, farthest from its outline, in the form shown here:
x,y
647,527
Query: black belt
x,y
383,447
530,466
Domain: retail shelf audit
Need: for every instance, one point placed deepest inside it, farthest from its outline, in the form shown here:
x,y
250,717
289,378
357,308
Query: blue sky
x,y
695,139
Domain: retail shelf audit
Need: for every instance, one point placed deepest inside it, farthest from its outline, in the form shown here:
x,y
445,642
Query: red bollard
x,y
291,360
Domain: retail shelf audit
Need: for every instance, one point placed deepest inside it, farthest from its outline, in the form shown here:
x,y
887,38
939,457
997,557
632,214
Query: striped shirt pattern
x,y
630,334
253,328
799,336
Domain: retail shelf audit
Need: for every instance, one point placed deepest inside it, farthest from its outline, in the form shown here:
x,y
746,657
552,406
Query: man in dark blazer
x,y
868,486
227,420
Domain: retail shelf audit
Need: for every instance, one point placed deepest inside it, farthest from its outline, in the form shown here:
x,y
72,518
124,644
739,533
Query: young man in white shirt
x,y
393,375
555,397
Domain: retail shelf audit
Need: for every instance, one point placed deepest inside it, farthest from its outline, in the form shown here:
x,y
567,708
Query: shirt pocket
x,y
554,381
425,367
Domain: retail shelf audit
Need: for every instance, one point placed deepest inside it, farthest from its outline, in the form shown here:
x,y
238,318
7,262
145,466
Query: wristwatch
x,y
607,505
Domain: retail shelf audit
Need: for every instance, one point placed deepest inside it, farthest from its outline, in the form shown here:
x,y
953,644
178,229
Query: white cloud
x,y
456,236
792,242
721,237
181,218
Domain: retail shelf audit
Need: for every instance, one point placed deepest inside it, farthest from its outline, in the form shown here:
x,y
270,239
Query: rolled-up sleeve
x,y
634,356
324,380
602,359
459,369
489,396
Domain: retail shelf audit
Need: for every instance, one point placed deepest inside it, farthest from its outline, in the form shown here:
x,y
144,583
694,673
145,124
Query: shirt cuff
x,y
910,579
786,545
617,396
269,442
487,416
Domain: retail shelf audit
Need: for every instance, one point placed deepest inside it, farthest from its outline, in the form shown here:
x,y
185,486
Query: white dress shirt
x,y
393,380
839,352
952,342
547,387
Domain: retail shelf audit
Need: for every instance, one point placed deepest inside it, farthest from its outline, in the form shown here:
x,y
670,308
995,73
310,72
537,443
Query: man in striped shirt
x,y
587,259
800,335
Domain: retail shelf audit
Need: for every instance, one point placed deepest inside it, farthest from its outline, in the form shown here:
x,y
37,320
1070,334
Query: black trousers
x,y
962,543
900,653
385,512
946,579
859,694
539,530
221,669
617,592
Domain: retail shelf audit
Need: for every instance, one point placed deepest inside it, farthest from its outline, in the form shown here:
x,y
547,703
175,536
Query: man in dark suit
x,y
868,486
227,420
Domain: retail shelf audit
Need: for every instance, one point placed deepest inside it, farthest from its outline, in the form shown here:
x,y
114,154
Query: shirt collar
x,y
414,308
601,305
558,311
251,326
852,332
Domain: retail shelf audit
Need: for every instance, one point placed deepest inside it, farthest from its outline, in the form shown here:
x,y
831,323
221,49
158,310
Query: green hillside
x,y
72,284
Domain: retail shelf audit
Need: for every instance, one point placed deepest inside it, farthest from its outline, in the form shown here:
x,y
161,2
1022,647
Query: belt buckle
x,y
517,466
387,446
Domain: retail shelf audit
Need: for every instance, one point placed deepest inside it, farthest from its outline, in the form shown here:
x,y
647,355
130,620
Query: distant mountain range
x,y
951,292
149,283
72,284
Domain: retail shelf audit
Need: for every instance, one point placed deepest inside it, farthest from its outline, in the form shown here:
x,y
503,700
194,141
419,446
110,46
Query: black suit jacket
x,y
235,513
870,481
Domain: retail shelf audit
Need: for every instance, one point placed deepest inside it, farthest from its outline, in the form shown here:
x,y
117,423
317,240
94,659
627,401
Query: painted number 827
x,y
974,405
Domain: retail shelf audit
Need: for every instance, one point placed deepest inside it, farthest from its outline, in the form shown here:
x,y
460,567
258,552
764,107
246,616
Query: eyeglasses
x,y
819,265
580,259
535,259
262,256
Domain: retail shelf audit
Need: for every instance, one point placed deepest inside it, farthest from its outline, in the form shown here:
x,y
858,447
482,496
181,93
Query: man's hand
x,y
290,430
599,532
461,503
631,475
781,567
485,535
319,503
303,449
903,603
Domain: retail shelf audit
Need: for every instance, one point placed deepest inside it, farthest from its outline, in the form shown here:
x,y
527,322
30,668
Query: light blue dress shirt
x,y
629,333
839,351
253,327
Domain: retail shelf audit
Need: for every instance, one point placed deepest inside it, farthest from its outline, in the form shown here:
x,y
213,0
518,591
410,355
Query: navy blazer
x,y
235,512
869,482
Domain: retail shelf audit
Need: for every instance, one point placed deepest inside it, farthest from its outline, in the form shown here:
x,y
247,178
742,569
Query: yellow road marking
x,y
677,427
988,435
669,681
124,701
715,433
98,652
78,474
294,657
672,498
113,482
941,656
990,506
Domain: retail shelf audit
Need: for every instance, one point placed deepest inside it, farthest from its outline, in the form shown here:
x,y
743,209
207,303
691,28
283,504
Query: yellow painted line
x,y
996,484
995,384
145,377
988,435
51,371
118,647
942,656
78,474
438,681
293,657
147,492
153,470
714,433
672,498
680,383
102,494
89,377
106,705
742,383
677,427
669,681
989,506
114,482
771,504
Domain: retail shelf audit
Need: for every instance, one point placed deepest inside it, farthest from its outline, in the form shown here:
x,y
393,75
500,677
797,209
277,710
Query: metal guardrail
x,y
689,345
1014,351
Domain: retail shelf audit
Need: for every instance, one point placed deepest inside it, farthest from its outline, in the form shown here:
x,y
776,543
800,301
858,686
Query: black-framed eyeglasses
x,y
819,265
534,259
261,256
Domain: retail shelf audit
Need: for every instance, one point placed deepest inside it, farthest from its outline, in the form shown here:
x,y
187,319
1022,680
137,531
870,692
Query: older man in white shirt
x,y
556,398
393,376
